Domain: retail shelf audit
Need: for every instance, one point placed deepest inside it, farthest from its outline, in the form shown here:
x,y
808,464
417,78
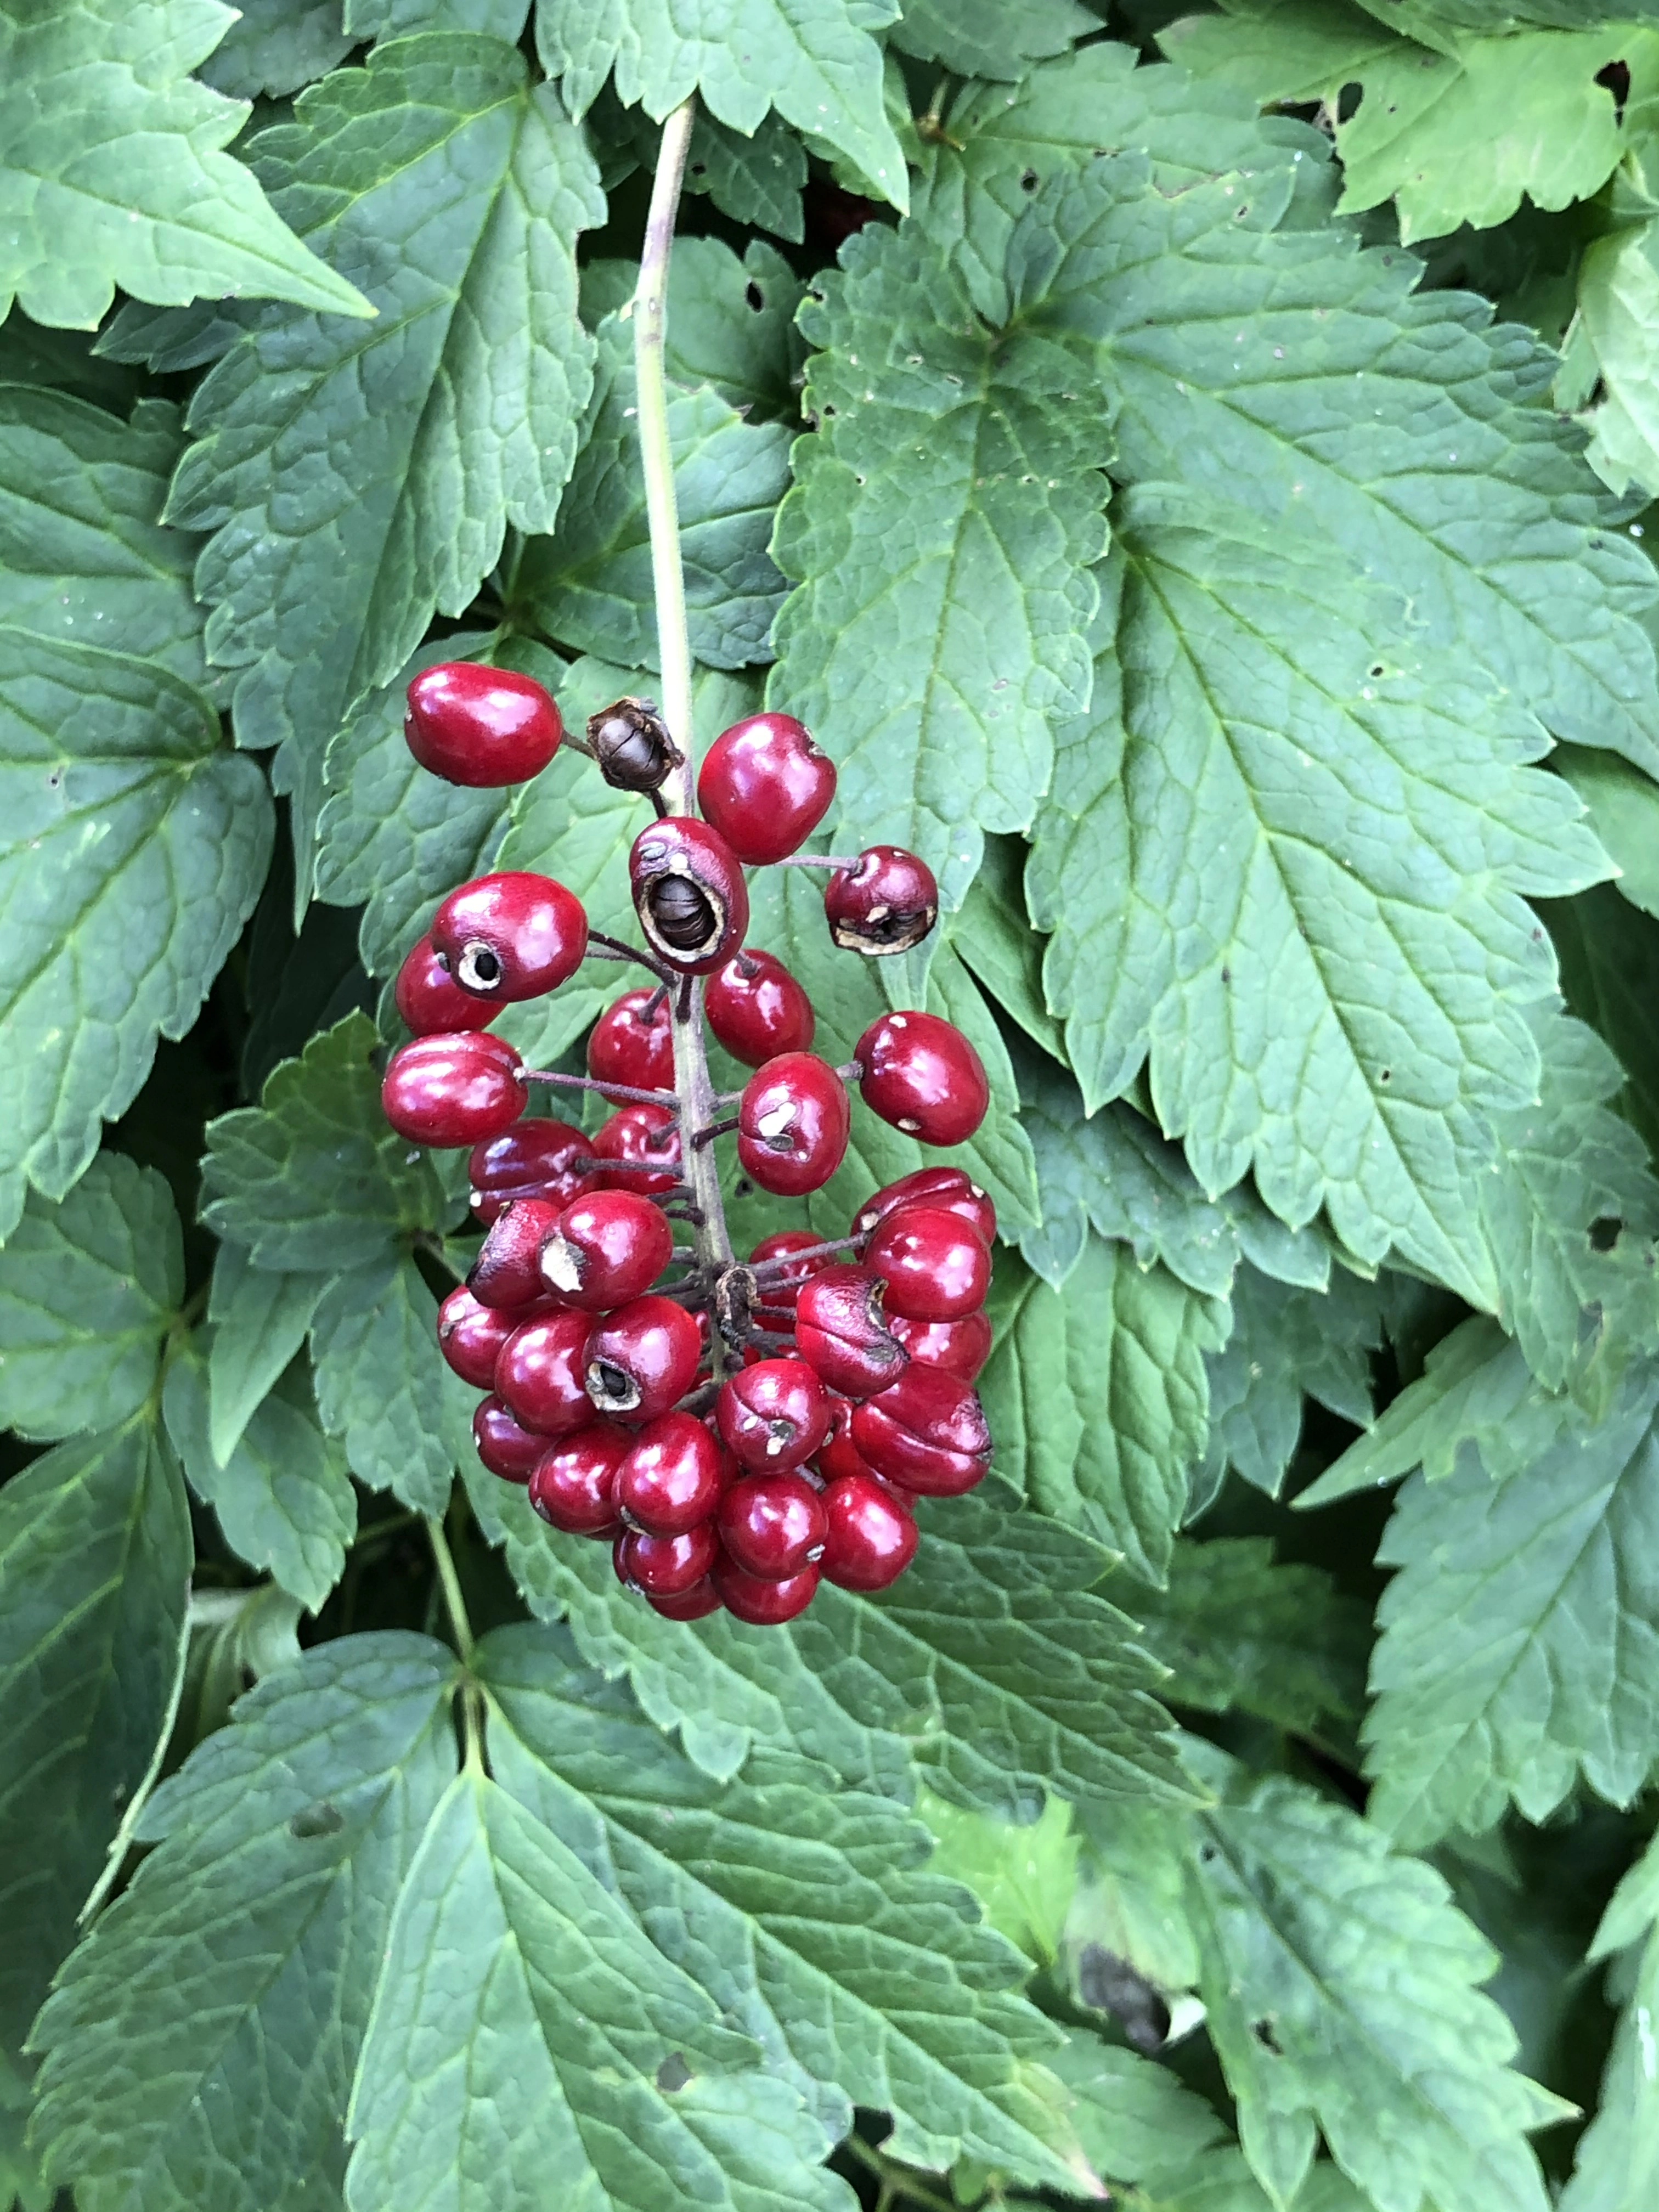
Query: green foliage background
x,y
1204,507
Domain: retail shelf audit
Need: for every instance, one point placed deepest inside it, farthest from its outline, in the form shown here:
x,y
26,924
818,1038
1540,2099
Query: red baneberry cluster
x,y
735,1429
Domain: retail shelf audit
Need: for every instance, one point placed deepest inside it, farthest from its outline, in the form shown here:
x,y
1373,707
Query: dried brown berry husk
x,y
630,742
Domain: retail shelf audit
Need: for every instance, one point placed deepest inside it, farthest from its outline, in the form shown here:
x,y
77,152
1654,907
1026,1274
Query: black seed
x,y
684,914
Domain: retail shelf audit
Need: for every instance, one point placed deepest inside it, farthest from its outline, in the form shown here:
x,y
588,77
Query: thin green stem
x,y
461,1627
895,2181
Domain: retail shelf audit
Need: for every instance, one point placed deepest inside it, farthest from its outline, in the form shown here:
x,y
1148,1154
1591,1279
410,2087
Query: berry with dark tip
x,y
543,1158
638,1149
766,786
921,1074
539,1373
689,893
794,1123
869,1538
884,901
453,1089
641,1359
632,1043
665,1566
573,1486
757,1009
672,1477
505,1445
605,1249
508,1271
511,936
926,1434
843,1335
763,1604
951,1187
470,1335
483,727
935,1265
773,1415
771,1525
428,998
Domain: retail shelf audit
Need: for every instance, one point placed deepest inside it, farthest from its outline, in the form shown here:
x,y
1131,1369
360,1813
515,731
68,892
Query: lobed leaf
x,y
259,1321
1287,1343
383,1389
275,46
731,321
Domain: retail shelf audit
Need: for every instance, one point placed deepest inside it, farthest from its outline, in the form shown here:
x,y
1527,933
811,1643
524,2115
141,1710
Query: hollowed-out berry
x,y
689,893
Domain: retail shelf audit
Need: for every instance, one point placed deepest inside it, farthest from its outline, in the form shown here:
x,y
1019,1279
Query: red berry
x,y
928,1433
869,1538
633,1043
605,1249
482,727
641,1358
763,1604
672,1478
794,1122
776,1292
665,1566
430,1000
539,1373
951,1187
837,1456
766,787
689,893
574,1485
533,1159
470,1335
757,1009
771,1525
507,1270
841,1333
921,1074
885,901
935,1265
773,1415
701,1598
506,1446
639,1148
453,1089
959,1347
511,936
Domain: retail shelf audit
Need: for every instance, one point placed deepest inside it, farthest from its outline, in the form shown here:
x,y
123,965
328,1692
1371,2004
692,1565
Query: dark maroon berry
x,y
429,999
757,1009
763,1604
794,1122
926,1434
935,1265
841,1332
921,1074
665,1566
885,901
773,1415
959,1347
539,1373
639,1150
470,1335
869,1537
481,727
630,742
507,1270
700,1599
633,1043
511,936
837,1454
533,1159
605,1249
672,1478
689,893
951,1187
574,1481
506,1446
453,1089
771,1525
641,1358
766,787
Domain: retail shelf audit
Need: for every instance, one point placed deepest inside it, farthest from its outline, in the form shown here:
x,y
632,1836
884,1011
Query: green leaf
x,y
1618,300
589,585
940,530
994,936
312,1178
1098,1397
403,1419
1287,1343
1616,2165
85,556
1434,20
1023,1874
1136,2121
282,1494
136,847
815,61
237,1636
1340,1989
391,19
520,1999
147,201
275,46
1609,959
801,1910
231,1979
367,473
1623,805
731,322
755,177
94,1573
259,1321
991,38
1280,50
87,1290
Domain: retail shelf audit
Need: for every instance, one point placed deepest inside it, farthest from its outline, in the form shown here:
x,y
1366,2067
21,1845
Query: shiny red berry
x,y
641,1358
605,1249
921,1074
506,1446
507,1270
573,1483
511,936
470,1335
841,1332
951,1187
665,1566
633,1043
885,901
757,1009
771,1525
539,1373
837,1454
869,1538
959,1347
639,1150
935,1265
763,1604
689,893
543,1158
773,1415
700,1599
926,1434
794,1122
777,1288
766,787
453,1089
429,999
481,727
672,1478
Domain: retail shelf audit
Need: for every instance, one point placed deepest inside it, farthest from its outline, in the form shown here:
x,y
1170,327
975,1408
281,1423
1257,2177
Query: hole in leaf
x,y
1263,2032
1109,1983
1028,182
1386,1075
1605,1233
673,2074
1377,669
700,168
1616,77
753,294
319,1820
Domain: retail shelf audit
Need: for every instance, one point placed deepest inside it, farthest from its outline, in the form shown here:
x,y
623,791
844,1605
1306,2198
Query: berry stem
x,y
607,1089
710,1130
765,1269
601,947
815,860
